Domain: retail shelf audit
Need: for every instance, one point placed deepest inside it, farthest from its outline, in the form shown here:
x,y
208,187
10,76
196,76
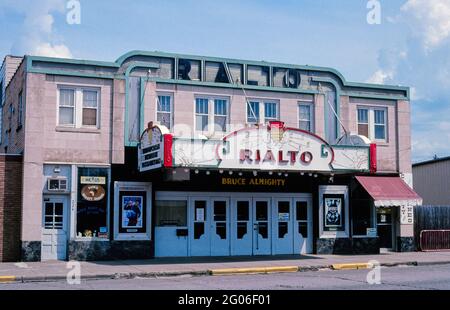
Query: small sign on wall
x,y
407,215
371,232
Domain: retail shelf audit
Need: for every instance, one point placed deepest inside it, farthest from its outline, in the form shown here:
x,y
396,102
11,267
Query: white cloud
x,y
38,35
47,49
430,19
381,77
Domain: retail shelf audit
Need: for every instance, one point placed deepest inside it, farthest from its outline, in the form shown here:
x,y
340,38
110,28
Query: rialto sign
x,y
269,148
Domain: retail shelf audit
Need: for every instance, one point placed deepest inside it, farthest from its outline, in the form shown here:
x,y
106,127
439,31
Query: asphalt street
x,y
435,277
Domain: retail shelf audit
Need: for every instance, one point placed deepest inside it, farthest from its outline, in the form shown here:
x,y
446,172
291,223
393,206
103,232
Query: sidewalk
x,y
57,270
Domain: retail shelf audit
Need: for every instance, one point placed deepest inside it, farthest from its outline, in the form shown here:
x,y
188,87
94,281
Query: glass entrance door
x,y
261,227
282,232
199,241
242,227
385,227
220,233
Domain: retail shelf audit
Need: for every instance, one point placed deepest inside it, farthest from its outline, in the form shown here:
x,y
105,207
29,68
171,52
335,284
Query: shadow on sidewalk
x,y
206,260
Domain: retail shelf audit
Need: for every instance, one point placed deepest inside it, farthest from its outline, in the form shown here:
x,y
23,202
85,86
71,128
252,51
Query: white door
x,y
261,226
282,227
241,227
220,232
303,229
199,230
54,236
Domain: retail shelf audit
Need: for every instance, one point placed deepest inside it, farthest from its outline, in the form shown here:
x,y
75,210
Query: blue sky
x,y
410,47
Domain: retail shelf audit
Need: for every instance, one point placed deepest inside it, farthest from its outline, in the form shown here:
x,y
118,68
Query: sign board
x,y
371,232
283,216
407,215
92,180
151,148
261,147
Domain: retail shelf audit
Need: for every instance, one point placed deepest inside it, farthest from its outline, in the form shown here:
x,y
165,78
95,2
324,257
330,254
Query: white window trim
x,y
262,110
78,106
211,114
171,107
311,114
371,119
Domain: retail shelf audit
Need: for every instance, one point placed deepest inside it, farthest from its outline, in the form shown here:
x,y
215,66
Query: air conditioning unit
x,y
57,184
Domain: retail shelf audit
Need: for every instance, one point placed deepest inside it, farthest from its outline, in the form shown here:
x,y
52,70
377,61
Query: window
x,y
164,110
201,114
305,117
66,107
362,216
78,107
372,123
54,215
253,112
90,108
269,111
92,204
220,114
380,125
20,108
211,111
171,213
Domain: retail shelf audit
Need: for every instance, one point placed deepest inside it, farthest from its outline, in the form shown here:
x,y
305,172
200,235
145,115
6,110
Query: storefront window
x,y
362,216
171,213
92,214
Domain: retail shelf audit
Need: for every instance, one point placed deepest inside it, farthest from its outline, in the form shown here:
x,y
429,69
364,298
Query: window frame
x,y
20,110
310,105
171,113
262,119
78,106
211,99
97,109
371,122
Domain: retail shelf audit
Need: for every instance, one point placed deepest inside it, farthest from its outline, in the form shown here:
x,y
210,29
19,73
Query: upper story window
x,y
78,107
305,116
20,110
211,111
262,111
372,123
164,108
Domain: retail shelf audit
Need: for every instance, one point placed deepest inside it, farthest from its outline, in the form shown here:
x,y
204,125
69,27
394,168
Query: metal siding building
x,y
431,181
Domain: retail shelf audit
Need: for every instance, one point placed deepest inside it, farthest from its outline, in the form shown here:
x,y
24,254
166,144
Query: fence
x,y
429,220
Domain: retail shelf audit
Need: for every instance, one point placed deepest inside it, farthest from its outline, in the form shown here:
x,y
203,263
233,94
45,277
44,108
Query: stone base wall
x,y
348,246
406,244
109,250
31,251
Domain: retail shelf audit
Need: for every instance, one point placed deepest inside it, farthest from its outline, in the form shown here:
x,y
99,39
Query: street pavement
x,y
54,270
430,277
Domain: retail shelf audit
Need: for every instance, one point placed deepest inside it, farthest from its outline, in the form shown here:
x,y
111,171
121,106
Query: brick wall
x,y
10,207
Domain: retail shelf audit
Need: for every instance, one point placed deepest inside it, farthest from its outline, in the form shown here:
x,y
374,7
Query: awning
x,y
389,191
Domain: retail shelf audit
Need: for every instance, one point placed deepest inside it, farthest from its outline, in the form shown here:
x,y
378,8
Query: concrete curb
x,y
253,270
211,272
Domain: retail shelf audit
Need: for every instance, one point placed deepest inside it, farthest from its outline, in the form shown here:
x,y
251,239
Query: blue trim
x,y
337,101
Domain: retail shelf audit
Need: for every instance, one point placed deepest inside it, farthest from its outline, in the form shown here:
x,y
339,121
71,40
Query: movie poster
x,y
132,214
333,212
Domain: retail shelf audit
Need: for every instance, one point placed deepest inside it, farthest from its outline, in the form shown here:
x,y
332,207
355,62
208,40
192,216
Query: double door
x,y
249,225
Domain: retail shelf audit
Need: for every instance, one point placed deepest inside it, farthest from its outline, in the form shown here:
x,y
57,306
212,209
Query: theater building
x,y
160,154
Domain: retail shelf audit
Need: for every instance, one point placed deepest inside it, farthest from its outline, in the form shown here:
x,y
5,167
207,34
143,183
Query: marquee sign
x,y
266,147
274,147
151,147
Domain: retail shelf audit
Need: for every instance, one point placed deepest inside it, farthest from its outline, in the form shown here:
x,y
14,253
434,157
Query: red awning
x,y
389,191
